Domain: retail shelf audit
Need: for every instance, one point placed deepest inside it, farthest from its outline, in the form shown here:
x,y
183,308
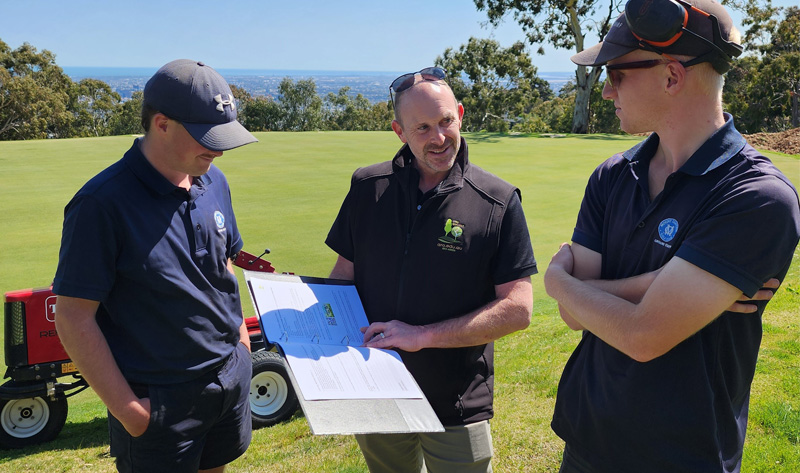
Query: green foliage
x,y
34,95
553,116
93,104
344,112
495,84
564,24
300,105
763,92
602,113
126,118
37,100
261,114
499,87
299,108
554,21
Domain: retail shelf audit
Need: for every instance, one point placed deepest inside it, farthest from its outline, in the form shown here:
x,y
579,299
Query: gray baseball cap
x,y
197,96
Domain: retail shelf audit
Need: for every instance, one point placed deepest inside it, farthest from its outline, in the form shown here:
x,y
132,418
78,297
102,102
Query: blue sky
x,y
356,35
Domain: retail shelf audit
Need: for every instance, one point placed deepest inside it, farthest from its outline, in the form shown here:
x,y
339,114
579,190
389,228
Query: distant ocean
x,y
373,85
94,72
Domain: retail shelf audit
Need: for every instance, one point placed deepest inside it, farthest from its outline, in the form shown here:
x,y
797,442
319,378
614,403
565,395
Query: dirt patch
x,y
784,142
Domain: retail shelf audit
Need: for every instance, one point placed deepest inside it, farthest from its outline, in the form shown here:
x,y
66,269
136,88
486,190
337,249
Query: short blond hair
x,y
710,81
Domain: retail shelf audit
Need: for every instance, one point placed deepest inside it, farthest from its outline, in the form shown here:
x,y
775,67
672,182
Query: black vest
x,y
426,262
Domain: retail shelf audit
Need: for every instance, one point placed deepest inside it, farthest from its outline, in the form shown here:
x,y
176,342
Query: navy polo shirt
x,y
155,256
729,211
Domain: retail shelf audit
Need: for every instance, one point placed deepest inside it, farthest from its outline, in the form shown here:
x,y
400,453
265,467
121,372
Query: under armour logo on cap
x,y
221,103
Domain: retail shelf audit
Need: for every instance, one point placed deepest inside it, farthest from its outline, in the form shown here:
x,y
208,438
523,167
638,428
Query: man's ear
x,y
160,122
675,77
460,114
399,130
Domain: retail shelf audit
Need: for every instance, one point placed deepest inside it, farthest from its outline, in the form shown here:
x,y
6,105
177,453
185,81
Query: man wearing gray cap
x,y
148,306
674,239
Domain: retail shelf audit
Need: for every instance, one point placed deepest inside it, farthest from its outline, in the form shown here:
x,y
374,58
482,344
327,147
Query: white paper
x,y
318,328
336,372
295,312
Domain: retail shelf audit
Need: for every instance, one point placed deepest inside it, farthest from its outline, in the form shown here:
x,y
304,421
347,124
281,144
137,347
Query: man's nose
x,y
440,135
608,91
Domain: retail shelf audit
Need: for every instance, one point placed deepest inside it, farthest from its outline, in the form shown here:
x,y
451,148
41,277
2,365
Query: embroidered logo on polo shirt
x,y
220,220
452,232
667,230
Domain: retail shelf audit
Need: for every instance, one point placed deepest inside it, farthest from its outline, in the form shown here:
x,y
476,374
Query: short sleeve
x,y
588,230
89,247
749,237
340,236
515,257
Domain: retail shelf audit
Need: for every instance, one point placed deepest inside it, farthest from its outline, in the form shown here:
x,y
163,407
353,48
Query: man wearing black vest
x,y
440,253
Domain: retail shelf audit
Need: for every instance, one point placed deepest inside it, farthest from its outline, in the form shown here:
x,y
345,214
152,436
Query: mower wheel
x,y
31,421
272,397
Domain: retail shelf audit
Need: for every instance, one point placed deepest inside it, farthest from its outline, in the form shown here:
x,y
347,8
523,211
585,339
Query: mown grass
x,y
287,190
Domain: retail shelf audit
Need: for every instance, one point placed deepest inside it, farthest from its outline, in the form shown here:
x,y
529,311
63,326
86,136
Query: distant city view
x,y
372,85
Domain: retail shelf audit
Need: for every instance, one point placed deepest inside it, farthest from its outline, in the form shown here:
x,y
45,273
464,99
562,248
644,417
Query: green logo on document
x,y
329,317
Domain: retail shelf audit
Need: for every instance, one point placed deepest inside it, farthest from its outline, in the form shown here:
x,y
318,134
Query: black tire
x,y
31,421
272,396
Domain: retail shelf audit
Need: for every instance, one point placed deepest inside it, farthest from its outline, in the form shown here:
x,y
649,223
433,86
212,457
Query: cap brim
x,y
601,53
220,136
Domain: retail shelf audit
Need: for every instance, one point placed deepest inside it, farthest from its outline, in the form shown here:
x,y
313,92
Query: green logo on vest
x,y
452,232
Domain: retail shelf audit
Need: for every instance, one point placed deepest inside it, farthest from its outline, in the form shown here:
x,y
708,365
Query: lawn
x,y
287,190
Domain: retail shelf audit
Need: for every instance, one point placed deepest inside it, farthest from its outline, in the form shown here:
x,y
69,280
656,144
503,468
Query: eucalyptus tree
x,y
300,104
127,116
93,104
762,90
563,24
496,85
34,94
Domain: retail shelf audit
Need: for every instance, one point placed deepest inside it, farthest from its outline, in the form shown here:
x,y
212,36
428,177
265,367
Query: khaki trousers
x,y
459,449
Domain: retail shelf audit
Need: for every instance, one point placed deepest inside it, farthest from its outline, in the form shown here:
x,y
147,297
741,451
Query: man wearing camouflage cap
x,y
148,306
671,239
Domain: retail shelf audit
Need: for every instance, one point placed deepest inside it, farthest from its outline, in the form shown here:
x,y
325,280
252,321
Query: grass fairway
x,y
287,190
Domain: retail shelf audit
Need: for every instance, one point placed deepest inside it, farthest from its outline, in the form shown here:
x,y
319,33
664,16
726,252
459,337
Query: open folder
x,y
343,387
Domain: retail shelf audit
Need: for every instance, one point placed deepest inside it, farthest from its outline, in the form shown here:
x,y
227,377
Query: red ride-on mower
x,y
33,403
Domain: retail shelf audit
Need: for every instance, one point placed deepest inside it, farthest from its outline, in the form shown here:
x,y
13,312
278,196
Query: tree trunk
x,y
796,106
584,82
580,114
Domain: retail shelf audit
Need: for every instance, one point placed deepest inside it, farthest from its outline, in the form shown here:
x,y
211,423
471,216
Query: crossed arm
x,y
644,316
509,312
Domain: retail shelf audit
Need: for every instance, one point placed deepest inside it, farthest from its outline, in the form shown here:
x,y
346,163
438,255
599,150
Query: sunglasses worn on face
x,y
614,78
406,81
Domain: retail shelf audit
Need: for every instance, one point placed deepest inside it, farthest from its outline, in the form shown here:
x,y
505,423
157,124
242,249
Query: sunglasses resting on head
x,y
406,81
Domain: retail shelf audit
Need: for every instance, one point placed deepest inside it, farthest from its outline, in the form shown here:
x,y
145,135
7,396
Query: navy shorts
x,y
201,424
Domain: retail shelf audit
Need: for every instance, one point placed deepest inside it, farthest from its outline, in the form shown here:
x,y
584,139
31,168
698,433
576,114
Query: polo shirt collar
x,y
454,180
150,177
721,146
